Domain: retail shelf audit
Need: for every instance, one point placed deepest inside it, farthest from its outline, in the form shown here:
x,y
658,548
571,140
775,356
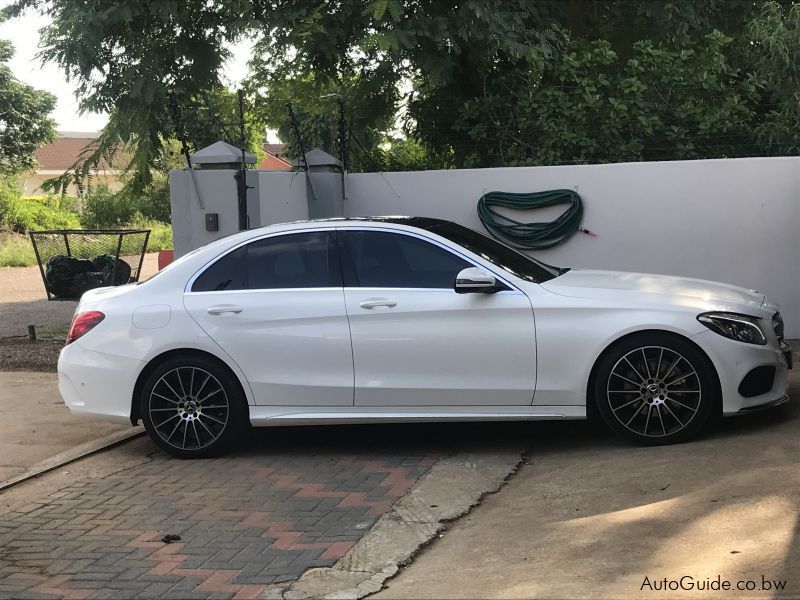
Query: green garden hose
x,y
531,236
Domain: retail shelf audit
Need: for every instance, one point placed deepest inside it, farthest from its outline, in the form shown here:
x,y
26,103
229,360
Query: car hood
x,y
708,295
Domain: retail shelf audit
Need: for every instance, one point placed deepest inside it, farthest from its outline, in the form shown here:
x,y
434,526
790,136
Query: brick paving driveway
x,y
261,516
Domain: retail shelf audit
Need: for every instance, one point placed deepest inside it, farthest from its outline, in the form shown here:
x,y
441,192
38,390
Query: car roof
x,y
420,222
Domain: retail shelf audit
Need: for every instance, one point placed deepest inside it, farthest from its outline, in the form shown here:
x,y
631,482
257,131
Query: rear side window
x,y
392,260
299,260
227,274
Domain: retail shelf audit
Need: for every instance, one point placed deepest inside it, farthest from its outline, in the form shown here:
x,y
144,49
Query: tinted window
x,y
297,260
495,252
228,273
383,259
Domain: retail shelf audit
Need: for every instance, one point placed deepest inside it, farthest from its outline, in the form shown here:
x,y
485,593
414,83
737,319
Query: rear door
x,y
416,342
276,307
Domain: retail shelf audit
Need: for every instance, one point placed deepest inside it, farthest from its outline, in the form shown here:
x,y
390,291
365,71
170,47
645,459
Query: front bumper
x,y
786,348
734,360
774,403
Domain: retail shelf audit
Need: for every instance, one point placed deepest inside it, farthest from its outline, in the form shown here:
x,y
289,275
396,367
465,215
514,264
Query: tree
x,y
465,82
775,53
126,58
24,121
658,104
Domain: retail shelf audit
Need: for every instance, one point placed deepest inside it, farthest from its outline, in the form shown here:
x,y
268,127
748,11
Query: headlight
x,y
736,327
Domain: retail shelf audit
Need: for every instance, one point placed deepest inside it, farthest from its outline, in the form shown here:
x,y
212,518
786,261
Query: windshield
x,y
495,252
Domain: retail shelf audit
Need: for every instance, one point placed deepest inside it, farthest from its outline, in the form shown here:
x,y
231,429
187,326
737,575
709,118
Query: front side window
x,y
298,260
391,260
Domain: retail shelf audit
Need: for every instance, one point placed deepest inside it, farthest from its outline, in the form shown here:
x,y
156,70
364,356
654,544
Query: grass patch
x,y
16,250
160,234
99,209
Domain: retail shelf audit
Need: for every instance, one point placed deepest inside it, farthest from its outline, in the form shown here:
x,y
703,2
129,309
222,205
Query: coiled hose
x,y
531,236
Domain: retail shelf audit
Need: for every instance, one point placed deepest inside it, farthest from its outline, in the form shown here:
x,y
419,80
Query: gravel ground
x,y
20,355
23,302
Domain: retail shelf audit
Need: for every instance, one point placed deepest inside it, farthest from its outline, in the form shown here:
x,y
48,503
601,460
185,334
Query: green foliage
x,y
590,105
104,209
369,105
404,154
473,83
775,53
20,215
24,121
153,201
160,234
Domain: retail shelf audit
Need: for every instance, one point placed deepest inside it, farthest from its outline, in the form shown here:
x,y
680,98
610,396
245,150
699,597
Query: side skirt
x,y
273,416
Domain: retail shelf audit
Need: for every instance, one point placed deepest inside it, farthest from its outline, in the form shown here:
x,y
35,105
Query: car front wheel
x,y
192,407
655,389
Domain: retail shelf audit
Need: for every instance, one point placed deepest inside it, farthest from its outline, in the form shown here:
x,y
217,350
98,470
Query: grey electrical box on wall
x,y
212,221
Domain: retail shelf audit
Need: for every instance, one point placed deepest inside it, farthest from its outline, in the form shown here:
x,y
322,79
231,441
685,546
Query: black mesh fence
x,y
74,261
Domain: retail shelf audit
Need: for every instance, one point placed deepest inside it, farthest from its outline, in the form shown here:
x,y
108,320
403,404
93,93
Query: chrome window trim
x,y
188,287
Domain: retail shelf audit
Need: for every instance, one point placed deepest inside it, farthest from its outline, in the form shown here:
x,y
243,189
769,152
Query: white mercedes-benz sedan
x,y
398,319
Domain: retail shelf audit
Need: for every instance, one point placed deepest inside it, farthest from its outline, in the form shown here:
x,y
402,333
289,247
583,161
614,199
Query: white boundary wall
x,y
732,220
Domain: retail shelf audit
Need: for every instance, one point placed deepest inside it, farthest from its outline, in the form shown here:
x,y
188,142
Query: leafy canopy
x,y
440,82
24,121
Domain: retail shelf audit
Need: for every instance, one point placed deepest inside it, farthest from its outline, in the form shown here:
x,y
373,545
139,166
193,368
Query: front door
x,y
416,342
276,307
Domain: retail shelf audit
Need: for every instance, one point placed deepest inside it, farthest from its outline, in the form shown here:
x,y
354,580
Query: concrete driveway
x,y
588,516
37,427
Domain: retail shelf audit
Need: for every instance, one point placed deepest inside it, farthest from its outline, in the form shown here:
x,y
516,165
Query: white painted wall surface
x,y
736,220
282,197
272,197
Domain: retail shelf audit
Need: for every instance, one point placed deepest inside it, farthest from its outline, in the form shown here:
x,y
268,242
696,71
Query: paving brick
x,y
245,522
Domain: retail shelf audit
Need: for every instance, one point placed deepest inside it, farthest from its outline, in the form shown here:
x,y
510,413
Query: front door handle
x,y
221,310
371,303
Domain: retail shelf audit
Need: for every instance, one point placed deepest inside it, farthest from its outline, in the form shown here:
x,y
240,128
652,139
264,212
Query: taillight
x,y
83,323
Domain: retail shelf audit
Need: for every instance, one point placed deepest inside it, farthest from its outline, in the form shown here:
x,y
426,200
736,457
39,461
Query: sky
x,y
23,32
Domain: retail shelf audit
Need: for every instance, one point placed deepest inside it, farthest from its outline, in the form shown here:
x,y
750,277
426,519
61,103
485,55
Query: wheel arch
x,y
156,360
591,401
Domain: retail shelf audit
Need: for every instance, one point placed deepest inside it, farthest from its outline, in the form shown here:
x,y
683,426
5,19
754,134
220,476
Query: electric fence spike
x,y
212,117
180,130
296,130
242,174
343,144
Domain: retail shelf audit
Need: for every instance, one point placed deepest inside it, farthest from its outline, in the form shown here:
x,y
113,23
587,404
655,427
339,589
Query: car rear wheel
x,y
655,389
192,407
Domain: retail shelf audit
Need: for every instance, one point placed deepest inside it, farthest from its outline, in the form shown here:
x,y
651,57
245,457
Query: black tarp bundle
x,y
68,278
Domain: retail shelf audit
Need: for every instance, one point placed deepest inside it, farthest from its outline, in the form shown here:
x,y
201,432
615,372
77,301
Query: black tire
x,y
193,407
655,389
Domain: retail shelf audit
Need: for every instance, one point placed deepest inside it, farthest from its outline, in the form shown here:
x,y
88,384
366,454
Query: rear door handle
x,y
221,310
371,303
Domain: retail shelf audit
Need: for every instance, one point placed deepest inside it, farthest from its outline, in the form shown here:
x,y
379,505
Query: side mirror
x,y
476,281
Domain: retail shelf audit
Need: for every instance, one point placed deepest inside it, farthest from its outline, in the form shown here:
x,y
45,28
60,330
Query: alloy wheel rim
x,y
189,408
654,391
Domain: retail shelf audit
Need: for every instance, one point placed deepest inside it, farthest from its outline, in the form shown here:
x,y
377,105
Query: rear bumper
x,y
97,384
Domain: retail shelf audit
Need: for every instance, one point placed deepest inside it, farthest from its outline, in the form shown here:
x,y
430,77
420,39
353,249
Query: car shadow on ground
x,y
528,437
